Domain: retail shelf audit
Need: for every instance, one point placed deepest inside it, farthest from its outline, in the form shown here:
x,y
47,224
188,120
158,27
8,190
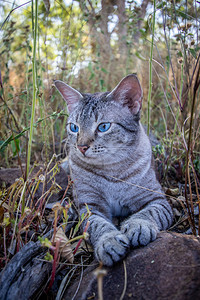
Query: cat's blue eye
x,y
103,127
74,127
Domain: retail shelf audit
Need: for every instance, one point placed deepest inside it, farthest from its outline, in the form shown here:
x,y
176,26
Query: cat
x,y
110,160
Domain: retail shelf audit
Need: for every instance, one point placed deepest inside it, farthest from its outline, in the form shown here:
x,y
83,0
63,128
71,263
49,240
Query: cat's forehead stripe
x,y
90,105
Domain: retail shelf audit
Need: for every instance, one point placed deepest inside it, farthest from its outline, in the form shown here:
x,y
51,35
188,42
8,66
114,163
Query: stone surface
x,y
26,274
168,268
8,176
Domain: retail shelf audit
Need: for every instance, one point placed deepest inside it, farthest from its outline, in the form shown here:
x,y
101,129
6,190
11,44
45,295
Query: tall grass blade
x,y
150,68
34,76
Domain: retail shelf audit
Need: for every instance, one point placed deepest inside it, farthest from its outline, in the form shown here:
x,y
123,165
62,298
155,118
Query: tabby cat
x,y
110,160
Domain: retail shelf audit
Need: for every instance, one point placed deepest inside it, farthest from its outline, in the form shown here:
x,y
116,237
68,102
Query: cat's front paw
x,y
111,247
139,232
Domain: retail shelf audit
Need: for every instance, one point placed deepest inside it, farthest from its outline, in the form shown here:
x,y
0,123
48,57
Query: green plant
x,y
34,73
150,66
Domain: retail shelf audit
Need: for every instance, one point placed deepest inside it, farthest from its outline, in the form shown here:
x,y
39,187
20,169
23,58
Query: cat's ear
x,y
71,96
129,93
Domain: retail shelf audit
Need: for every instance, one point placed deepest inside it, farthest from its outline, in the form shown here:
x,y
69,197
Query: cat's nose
x,y
83,148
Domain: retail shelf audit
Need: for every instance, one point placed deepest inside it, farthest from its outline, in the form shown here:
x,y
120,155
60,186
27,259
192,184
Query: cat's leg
x,y
110,245
142,227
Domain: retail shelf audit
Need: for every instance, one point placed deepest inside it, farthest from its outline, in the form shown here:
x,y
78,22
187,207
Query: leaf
x,y
1,214
45,242
182,14
15,147
48,257
104,70
193,52
101,81
140,56
88,210
197,164
65,248
91,76
2,148
179,54
90,68
76,228
161,5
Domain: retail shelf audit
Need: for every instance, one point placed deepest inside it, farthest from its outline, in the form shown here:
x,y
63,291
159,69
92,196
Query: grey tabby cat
x,y
110,159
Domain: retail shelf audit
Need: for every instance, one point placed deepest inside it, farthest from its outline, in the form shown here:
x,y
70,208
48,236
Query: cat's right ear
x,y
70,95
129,93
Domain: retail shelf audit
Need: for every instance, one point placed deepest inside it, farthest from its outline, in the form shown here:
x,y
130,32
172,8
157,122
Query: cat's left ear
x,y
71,96
128,92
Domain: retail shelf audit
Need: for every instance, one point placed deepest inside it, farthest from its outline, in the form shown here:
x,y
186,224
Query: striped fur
x,y
114,176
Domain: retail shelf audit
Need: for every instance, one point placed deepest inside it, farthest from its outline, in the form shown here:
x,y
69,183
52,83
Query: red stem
x,y
55,262
80,241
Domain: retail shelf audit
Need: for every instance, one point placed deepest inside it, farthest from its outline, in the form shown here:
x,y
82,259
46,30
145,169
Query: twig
x,y
100,273
125,281
190,208
194,69
12,12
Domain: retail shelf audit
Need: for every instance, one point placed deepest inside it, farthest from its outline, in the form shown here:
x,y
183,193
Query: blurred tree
x,y
108,21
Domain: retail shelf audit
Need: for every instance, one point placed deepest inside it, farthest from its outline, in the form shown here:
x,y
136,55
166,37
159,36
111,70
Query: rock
x,y
168,268
8,176
26,274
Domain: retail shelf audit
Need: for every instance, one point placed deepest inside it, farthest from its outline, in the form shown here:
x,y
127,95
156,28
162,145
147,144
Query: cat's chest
x,y
105,188
118,195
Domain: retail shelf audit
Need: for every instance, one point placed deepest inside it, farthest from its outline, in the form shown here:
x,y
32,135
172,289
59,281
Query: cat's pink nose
x,y
83,148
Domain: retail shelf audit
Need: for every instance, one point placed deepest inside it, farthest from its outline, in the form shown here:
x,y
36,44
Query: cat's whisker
x,y
142,187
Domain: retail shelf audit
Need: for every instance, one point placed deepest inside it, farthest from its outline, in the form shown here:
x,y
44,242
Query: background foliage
x,y
91,45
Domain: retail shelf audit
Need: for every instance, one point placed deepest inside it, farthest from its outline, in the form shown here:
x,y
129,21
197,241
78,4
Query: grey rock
x,y
168,268
25,275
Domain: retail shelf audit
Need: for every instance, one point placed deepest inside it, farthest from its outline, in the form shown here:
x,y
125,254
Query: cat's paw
x,y
139,232
111,247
